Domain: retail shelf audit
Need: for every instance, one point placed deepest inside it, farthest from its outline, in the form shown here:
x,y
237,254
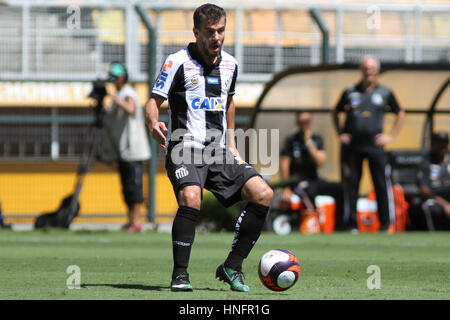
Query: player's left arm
x,y
398,123
383,139
230,115
343,102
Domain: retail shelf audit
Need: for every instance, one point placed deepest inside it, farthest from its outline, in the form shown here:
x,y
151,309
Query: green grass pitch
x,y
119,266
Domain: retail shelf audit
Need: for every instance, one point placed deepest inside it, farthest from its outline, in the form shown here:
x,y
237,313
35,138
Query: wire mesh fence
x,y
42,40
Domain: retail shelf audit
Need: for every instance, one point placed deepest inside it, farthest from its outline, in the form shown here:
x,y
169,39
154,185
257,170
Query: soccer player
x,y
362,137
199,83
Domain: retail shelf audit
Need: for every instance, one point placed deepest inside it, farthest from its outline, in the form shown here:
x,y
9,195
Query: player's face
x,y
119,82
210,37
369,70
304,121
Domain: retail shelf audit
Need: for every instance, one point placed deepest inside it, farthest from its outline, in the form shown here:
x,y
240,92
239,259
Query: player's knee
x,y
265,196
257,191
268,194
190,197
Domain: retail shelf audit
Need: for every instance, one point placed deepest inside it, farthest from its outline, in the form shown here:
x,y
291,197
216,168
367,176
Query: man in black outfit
x,y
302,154
362,138
433,180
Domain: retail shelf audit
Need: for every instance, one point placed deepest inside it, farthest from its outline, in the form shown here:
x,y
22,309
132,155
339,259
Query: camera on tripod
x,y
98,93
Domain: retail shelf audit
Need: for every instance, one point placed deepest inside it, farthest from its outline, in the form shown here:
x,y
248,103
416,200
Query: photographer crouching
x,y
125,141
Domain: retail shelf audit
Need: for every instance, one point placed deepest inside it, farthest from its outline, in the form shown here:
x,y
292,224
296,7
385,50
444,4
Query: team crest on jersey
x,y
208,104
377,99
194,80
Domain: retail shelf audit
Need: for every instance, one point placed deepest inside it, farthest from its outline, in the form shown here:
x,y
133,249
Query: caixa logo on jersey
x,y
208,104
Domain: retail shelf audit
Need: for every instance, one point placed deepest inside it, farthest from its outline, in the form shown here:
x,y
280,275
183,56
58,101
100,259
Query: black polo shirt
x,y
365,112
302,165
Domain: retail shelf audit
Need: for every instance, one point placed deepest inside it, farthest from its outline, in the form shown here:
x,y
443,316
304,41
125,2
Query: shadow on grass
x,y
137,287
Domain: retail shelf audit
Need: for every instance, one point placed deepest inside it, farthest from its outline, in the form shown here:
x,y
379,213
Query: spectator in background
x,y
302,155
362,138
126,142
433,180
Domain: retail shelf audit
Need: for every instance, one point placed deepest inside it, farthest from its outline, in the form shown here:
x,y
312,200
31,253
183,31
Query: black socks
x,y
183,233
248,229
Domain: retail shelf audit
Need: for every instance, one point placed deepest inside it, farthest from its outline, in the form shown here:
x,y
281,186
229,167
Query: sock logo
x,y
181,173
181,243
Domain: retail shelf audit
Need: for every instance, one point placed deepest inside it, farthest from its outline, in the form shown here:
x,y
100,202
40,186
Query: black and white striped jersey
x,y
197,96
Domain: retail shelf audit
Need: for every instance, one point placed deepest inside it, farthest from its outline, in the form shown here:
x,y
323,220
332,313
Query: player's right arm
x,y
345,138
157,128
159,94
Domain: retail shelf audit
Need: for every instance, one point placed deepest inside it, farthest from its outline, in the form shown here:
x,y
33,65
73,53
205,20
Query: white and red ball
x,y
278,269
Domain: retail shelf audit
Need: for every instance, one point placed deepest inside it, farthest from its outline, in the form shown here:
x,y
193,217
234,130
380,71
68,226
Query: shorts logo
x,y
181,173
208,104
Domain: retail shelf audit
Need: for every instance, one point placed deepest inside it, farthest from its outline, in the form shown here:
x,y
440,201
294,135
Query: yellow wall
x,y
75,94
31,189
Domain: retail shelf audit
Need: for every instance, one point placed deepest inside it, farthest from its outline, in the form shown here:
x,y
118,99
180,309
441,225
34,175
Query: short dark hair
x,y
207,12
441,136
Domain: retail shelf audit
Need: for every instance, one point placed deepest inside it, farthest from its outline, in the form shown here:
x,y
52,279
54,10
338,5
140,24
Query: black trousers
x,y
131,177
351,169
333,189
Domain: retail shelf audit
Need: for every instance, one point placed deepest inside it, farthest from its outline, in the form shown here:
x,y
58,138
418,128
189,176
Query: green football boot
x,y
232,277
181,283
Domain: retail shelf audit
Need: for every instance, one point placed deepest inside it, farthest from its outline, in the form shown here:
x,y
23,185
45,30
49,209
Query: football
x,y
278,269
